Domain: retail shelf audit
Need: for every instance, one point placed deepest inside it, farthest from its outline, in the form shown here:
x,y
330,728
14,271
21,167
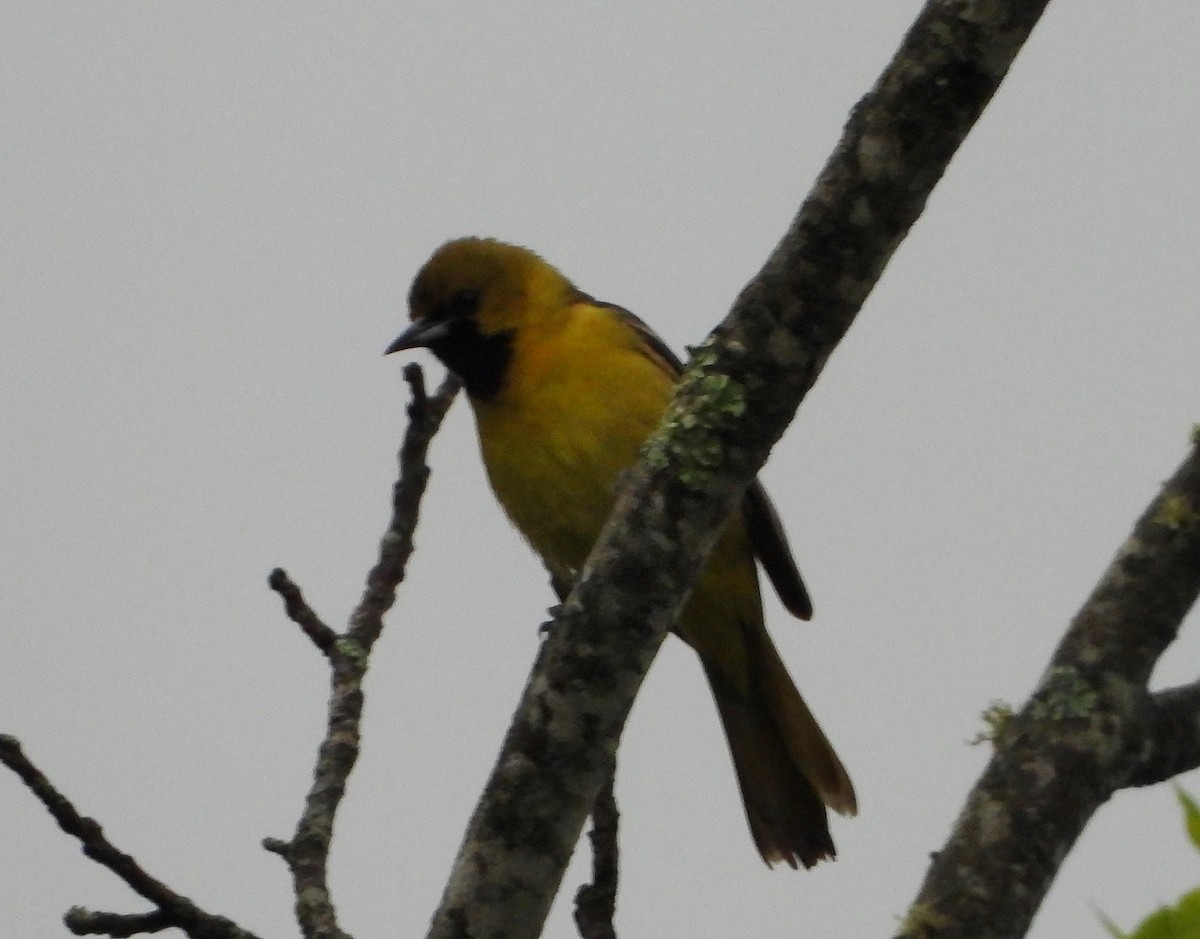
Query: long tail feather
x,y
786,768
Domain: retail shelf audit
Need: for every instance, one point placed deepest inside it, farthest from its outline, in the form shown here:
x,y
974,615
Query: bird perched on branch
x,y
565,390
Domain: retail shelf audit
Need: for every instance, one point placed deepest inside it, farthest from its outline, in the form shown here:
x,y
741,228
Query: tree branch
x,y
740,393
300,613
84,922
307,853
596,903
1090,728
172,909
1173,742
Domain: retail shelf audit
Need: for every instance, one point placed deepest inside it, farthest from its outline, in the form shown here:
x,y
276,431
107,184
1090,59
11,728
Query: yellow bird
x,y
565,389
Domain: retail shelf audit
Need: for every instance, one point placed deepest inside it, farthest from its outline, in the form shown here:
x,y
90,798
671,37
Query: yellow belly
x,y
554,447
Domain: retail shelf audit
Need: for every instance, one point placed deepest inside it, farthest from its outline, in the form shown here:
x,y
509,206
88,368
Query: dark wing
x,y
762,523
656,350
771,546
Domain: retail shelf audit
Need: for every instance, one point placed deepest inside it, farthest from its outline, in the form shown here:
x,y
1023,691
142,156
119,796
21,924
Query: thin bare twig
x,y
173,909
307,853
300,613
118,925
596,903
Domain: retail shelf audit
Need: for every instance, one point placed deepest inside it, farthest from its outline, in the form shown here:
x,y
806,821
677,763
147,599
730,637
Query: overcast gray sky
x,y
211,214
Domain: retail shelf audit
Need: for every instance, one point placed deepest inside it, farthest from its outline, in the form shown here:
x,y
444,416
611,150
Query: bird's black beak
x,y
419,334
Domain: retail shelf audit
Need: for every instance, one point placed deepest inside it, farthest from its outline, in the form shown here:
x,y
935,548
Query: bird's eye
x,y
463,303
460,305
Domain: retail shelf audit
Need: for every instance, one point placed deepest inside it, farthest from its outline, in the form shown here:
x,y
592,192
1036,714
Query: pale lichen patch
x,y
995,823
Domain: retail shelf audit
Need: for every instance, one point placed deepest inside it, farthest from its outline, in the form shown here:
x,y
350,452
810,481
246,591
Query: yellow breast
x,y
578,401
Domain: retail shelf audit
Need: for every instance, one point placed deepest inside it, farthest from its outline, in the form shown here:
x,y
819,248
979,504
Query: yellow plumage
x,y
565,390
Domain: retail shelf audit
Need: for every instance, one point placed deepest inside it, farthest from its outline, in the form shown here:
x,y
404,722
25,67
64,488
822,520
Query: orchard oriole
x,y
565,389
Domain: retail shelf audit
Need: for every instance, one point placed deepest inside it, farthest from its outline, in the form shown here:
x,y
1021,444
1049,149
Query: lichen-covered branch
x,y
738,396
307,853
1091,728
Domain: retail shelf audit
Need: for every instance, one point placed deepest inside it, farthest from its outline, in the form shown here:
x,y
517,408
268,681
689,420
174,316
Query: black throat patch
x,y
480,361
